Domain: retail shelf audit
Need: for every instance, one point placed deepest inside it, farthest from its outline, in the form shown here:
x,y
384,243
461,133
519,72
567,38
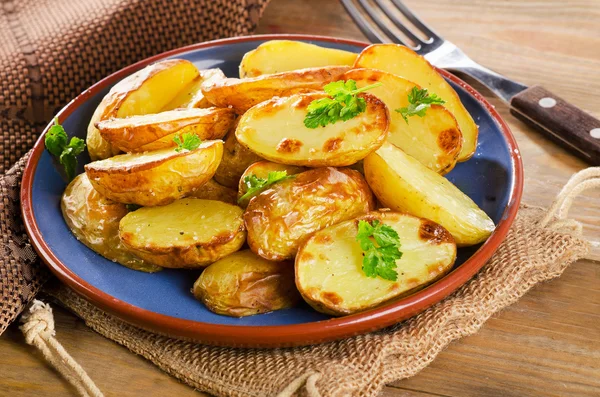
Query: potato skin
x,y
155,182
236,158
212,190
280,218
94,220
244,284
261,169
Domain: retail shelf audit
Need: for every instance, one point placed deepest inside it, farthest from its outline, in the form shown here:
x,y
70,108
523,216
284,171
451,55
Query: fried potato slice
x,y
329,272
187,233
242,94
280,218
261,169
236,158
155,178
94,220
144,92
212,190
403,184
404,62
156,131
435,139
277,56
192,96
275,130
244,284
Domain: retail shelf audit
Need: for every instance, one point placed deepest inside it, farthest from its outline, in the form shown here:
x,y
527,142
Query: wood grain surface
x,y
547,344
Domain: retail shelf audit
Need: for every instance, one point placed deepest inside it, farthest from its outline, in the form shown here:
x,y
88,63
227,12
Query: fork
x,y
564,123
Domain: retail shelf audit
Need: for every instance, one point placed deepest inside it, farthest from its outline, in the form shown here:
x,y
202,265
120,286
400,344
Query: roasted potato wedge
x,y
403,184
155,178
280,218
329,271
212,190
94,220
236,158
261,170
275,130
244,284
242,94
277,56
435,139
144,92
156,131
187,233
404,62
192,96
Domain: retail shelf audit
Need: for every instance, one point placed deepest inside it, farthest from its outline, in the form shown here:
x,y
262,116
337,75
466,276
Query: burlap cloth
x,y
53,49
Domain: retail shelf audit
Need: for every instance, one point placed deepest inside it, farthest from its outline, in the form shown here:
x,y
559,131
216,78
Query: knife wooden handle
x,y
567,125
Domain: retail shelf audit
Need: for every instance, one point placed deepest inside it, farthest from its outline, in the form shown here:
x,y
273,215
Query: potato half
x,y
155,178
144,92
277,56
94,220
243,284
403,184
280,218
212,190
192,96
156,131
242,94
404,62
261,169
187,233
435,139
329,271
236,158
275,130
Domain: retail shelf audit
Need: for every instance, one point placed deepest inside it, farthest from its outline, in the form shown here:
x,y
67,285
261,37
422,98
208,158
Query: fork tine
x,y
397,22
415,20
381,24
364,25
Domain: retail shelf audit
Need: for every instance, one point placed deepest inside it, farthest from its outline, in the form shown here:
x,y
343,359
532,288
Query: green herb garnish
x,y
190,141
420,100
343,105
381,246
256,185
58,144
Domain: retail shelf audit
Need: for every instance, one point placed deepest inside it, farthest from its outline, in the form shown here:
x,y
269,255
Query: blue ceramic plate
x,y
162,302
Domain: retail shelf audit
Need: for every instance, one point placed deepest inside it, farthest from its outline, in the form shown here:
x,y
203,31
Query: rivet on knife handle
x,y
562,122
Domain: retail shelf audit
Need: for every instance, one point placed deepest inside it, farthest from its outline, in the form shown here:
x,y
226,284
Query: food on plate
x,y
156,131
192,96
213,190
94,220
403,184
280,218
187,233
261,175
404,62
236,158
242,94
65,151
144,92
277,56
276,131
244,284
330,265
155,178
433,138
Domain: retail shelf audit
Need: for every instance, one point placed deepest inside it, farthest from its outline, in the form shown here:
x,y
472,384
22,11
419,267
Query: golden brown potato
x,y
242,94
236,158
275,130
156,131
94,220
261,169
187,233
403,184
329,265
277,56
435,139
404,62
243,284
155,178
192,96
144,92
212,190
279,219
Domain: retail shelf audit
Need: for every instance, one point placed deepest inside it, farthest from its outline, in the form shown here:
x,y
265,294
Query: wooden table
x,y
549,342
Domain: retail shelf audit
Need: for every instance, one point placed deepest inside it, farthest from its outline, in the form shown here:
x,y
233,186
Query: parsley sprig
x,y
190,141
343,104
256,185
381,246
58,144
420,100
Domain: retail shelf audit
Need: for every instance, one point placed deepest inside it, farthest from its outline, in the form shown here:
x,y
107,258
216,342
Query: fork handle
x,y
566,124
